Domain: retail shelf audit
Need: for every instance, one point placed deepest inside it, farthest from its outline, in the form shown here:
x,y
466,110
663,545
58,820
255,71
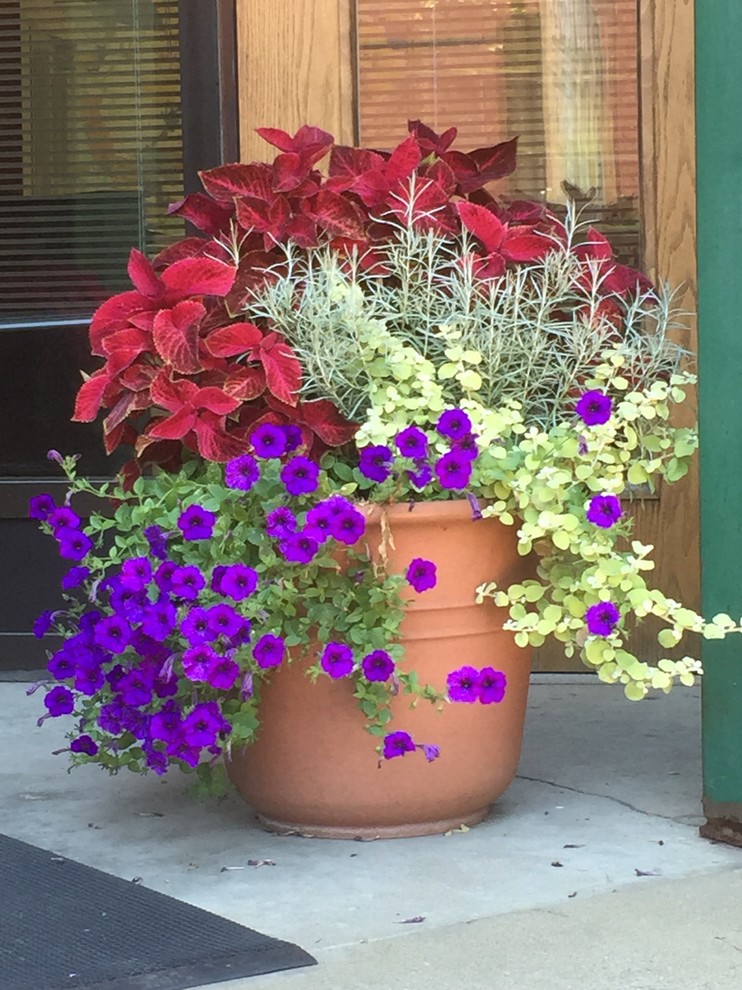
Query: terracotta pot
x,y
314,770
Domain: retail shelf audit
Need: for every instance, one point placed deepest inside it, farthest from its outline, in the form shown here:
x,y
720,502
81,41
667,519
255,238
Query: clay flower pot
x,y
314,770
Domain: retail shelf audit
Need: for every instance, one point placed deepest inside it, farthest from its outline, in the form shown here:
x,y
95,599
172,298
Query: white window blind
x,y
90,149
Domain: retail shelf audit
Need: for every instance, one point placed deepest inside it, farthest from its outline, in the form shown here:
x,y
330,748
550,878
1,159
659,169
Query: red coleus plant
x,y
185,368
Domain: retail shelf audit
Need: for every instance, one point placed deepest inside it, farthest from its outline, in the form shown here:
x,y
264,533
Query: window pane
x,y
90,148
561,74
90,156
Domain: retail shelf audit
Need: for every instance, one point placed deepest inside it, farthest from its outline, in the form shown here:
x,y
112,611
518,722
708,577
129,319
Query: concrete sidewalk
x,y
589,872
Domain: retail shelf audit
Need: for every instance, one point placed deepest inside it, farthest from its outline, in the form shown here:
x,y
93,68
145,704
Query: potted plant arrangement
x,y
382,425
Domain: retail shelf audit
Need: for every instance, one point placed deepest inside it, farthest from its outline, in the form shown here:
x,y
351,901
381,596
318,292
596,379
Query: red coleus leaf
x,y
252,213
289,171
143,276
199,277
311,142
173,427
246,383
216,401
128,403
442,174
491,163
428,140
324,418
130,340
203,212
461,165
175,335
491,266
227,181
426,206
347,164
522,244
485,226
282,368
172,395
239,338
114,314
403,161
138,377
90,397
190,247
372,188
337,215
214,443
302,230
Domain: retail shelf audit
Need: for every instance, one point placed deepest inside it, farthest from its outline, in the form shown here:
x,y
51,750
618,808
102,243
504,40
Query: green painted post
x,y
719,203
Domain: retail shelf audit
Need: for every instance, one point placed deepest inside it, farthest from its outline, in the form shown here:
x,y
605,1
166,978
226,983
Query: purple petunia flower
x,y
300,476
202,725
431,752
421,476
43,624
135,687
136,574
337,660
462,685
222,673
113,633
491,685
223,620
319,523
397,744
421,574
376,463
84,744
336,505
294,437
238,582
454,424
159,620
129,604
269,440
195,627
74,577
241,473
196,523
468,446
41,506
59,701
280,523
186,582
155,759
197,661
602,618
164,576
64,518
269,651
594,407
89,679
299,548
377,666
181,749
453,470
61,665
73,543
604,511
157,541
348,527
165,724
412,442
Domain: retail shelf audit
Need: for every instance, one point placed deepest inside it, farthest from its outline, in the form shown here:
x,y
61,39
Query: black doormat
x,y
64,925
